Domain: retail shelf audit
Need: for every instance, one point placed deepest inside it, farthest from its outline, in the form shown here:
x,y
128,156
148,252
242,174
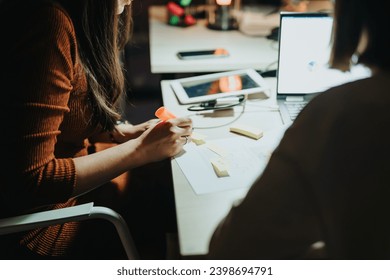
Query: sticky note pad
x,y
220,167
198,138
250,131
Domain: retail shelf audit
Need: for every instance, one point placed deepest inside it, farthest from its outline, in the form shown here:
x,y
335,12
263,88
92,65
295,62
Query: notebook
x,y
303,71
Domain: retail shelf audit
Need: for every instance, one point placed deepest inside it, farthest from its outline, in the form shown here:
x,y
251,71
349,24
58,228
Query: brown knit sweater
x,y
44,92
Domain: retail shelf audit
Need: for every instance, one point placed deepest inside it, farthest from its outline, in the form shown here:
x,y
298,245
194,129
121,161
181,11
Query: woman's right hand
x,y
164,139
159,141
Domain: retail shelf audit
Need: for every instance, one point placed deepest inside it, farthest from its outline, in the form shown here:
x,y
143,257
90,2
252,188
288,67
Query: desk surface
x,y
199,215
165,41
245,51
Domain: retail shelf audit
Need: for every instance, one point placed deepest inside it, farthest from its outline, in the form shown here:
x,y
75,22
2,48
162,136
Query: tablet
x,y
212,86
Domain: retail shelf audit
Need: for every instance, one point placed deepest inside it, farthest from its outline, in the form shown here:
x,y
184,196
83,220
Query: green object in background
x,y
174,20
184,3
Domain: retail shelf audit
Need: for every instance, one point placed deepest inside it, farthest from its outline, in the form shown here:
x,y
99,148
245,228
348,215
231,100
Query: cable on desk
x,y
268,108
218,104
267,72
242,103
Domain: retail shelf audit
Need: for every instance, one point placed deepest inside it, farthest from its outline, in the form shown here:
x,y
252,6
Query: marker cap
x,y
163,114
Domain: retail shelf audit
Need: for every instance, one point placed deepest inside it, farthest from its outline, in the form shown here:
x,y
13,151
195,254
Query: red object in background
x,y
189,20
175,9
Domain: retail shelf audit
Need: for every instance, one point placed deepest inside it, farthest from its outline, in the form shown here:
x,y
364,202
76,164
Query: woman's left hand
x,y
127,131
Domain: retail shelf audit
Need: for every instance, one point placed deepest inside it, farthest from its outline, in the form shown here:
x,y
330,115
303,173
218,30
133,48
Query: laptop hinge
x,y
294,98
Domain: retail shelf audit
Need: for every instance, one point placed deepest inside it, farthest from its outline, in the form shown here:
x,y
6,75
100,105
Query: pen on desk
x,y
163,114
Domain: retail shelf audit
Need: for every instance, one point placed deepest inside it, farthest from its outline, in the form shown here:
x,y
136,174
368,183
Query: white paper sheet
x,y
246,159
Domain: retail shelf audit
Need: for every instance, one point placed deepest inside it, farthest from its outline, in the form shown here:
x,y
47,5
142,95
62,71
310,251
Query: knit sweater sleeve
x,y
43,51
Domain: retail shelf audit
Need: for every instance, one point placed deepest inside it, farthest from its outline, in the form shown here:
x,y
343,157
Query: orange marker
x,y
163,114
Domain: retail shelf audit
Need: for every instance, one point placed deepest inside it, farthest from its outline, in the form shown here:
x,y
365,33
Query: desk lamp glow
x,y
221,14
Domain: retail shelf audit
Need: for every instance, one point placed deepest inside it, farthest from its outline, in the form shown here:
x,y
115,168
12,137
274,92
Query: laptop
x,y
303,69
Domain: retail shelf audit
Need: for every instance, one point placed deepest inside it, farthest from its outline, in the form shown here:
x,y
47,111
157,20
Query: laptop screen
x,y
304,50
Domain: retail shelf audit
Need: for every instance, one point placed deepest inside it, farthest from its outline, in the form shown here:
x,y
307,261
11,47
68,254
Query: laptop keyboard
x,y
294,107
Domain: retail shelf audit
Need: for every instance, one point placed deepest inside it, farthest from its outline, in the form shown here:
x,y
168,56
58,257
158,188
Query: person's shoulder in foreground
x,y
323,185
325,190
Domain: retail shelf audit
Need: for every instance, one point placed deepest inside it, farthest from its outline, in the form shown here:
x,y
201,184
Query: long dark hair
x,y
352,18
101,36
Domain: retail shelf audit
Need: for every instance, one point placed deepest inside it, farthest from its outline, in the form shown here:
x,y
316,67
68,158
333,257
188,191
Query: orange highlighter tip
x,y
163,114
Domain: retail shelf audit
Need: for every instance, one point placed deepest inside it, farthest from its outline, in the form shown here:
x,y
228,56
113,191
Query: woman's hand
x,y
126,131
161,140
165,139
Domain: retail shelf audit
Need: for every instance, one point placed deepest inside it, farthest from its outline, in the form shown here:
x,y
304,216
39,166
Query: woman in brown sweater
x,y
62,79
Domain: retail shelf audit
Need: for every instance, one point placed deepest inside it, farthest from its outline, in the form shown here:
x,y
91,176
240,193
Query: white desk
x,y
245,51
198,215
165,41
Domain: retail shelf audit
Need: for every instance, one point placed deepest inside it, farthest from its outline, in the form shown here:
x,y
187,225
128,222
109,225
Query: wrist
x,y
138,156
